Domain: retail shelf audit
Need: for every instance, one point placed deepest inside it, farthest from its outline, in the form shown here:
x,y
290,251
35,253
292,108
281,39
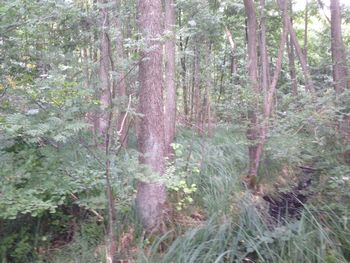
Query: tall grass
x,y
238,228
252,239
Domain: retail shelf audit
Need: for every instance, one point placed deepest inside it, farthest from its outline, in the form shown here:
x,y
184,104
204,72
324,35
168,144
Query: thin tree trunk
x,y
222,75
233,50
207,109
292,71
233,66
184,85
306,23
263,50
151,196
105,124
340,70
95,37
183,46
121,80
309,83
104,71
291,57
170,85
191,91
252,132
196,90
269,101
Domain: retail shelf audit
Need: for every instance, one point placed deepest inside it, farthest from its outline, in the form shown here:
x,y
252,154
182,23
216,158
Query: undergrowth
x,y
220,221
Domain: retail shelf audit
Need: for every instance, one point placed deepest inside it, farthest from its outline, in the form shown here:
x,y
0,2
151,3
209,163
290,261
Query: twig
x,y
3,93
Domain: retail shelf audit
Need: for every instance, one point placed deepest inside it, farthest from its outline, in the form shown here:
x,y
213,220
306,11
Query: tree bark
x,y
309,83
306,23
121,80
252,132
292,71
105,98
105,124
207,105
151,196
291,57
263,50
170,67
340,70
196,90
269,100
183,46
233,67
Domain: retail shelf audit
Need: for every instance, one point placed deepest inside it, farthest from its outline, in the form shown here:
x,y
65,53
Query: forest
x,y
174,131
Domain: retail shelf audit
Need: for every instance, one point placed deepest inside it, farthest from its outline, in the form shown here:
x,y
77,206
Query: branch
x,y
230,40
91,209
322,7
125,116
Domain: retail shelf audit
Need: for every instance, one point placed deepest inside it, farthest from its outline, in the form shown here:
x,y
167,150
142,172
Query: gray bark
x,y
121,88
252,132
105,98
151,197
263,50
309,83
291,58
340,70
170,67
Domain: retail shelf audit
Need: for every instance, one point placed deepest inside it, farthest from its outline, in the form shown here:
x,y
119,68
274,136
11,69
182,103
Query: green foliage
x,y
86,246
52,172
177,176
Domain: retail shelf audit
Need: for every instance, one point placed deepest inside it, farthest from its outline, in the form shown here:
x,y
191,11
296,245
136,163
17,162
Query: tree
x,y
121,81
196,94
291,56
265,73
306,23
340,70
105,87
252,132
151,196
105,118
309,83
233,66
272,89
170,68
255,133
183,46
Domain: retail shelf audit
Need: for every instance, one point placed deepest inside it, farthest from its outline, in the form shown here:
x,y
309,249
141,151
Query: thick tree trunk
x,y
170,67
151,196
122,127
252,132
340,70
